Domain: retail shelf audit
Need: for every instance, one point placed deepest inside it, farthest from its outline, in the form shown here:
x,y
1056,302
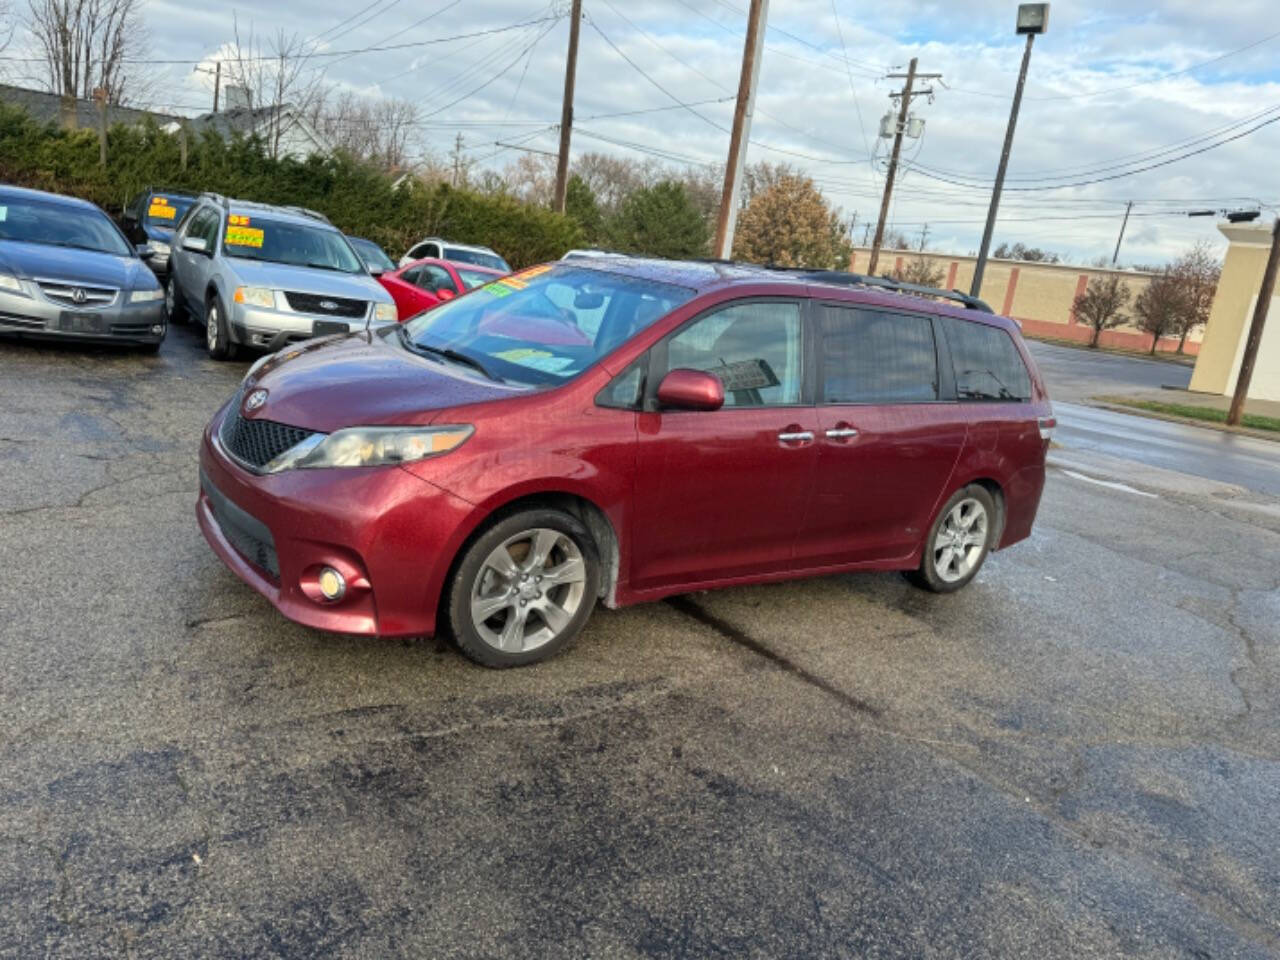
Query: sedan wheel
x,y
524,589
172,307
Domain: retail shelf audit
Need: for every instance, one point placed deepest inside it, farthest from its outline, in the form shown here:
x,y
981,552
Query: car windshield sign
x,y
547,324
60,225
165,211
276,241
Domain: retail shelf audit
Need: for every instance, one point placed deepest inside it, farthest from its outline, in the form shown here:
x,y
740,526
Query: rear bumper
x,y
390,534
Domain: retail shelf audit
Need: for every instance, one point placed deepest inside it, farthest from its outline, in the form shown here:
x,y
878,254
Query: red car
x,y
423,284
709,425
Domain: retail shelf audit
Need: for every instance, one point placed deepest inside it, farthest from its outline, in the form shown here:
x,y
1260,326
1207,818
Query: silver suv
x,y
263,276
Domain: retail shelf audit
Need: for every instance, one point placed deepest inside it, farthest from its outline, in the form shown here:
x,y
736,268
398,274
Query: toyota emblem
x,y
79,295
328,305
255,400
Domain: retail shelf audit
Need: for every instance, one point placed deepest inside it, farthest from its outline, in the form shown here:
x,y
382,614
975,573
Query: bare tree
x,y
277,80
919,270
373,130
89,44
1160,307
1198,271
1101,304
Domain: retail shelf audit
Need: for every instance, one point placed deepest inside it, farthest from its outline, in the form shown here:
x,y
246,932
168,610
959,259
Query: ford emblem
x,y
328,305
254,400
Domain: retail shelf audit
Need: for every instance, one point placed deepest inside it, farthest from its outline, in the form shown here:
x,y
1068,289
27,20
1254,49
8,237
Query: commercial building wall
x,y
1038,295
1219,362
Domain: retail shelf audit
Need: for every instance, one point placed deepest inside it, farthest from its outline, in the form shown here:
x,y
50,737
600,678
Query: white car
x,y
438,249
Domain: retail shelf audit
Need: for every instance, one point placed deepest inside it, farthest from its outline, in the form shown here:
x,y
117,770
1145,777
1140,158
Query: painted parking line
x,y
1114,485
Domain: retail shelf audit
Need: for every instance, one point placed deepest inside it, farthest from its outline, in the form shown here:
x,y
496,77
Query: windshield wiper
x,y
447,353
326,266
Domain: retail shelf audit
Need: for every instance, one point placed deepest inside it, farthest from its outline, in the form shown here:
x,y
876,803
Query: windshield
x,y
301,244
475,278
166,211
374,256
546,324
60,225
480,259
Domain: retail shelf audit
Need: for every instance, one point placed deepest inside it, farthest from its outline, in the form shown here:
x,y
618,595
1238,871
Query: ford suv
x,y
264,276
706,425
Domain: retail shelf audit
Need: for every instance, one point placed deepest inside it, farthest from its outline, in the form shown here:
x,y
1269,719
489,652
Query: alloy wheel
x,y
211,328
961,540
528,590
170,298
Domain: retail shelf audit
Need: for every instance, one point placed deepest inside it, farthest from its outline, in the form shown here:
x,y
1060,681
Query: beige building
x,y
1038,295
1219,362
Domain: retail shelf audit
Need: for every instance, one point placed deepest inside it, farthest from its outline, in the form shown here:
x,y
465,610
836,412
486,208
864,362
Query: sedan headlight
x,y
11,283
372,447
385,312
146,296
158,247
255,296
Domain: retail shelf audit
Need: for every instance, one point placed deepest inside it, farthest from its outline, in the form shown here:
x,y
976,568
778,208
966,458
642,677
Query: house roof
x,y
247,120
46,107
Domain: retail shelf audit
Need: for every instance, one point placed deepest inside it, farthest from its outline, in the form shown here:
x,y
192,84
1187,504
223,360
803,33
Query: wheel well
x,y
997,494
591,516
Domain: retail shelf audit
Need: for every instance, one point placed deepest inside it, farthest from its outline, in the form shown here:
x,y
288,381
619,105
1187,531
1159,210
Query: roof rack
x,y
841,278
308,212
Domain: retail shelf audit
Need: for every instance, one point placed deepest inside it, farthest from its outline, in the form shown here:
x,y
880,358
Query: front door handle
x,y
795,436
842,433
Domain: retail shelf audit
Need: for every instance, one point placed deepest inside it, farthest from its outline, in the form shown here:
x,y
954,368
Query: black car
x,y
374,257
149,220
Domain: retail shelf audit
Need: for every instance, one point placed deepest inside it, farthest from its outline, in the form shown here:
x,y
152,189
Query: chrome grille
x,y
78,295
325,306
255,443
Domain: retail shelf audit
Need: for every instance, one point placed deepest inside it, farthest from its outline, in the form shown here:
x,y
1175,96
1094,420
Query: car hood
x,y
363,379
30,260
284,276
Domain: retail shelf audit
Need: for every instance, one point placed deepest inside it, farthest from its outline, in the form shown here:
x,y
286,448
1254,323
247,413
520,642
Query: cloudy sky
x,y
1113,86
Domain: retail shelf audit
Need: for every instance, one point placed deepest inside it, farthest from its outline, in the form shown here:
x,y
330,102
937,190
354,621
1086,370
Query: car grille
x,y
255,443
68,294
338,306
248,537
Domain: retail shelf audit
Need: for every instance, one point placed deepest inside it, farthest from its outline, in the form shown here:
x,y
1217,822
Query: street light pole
x,y
1033,18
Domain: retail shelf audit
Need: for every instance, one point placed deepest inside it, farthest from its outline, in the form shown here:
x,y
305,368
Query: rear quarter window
x,y
987,363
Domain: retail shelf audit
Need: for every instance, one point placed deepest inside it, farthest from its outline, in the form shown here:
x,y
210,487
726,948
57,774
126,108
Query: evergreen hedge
x,y
358,198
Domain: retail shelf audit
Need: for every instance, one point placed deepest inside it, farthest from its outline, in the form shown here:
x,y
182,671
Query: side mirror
x,y
196,244
445,294
376,272
685,389
144,251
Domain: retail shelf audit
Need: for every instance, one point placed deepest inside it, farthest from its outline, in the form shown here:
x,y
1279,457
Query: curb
x,y
1270,435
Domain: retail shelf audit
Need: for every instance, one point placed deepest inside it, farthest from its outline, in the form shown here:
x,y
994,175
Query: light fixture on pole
x,y
1033,19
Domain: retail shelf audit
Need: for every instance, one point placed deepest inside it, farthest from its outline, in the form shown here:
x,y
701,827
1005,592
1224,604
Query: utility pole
x,y
457,160
752,54
1124,223
1033,18
217,83
566,110
900,130
1255,329
100,98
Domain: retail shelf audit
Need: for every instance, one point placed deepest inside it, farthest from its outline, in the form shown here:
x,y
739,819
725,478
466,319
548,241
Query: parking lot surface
x,y
1076,756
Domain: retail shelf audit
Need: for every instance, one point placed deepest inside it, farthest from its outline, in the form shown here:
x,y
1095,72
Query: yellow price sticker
x,y
531,272
161,210
238,220
244,236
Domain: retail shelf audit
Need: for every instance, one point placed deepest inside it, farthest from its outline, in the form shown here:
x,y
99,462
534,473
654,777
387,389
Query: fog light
x,y
157,329
332,584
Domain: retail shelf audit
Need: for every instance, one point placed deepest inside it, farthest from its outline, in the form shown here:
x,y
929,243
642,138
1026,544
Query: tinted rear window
x,y
988,365
491,260
875,357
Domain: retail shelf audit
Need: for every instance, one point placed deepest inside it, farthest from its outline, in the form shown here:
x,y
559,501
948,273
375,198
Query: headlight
x,y
158,246
145,296
11,283
372,446
384,312
256,296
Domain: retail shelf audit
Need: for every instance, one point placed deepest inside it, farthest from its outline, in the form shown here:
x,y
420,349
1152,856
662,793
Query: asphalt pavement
x,y
1076,756
1075,374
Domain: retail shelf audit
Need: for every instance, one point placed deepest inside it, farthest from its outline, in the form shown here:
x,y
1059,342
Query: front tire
x,y
524,589
958,541
217,337
173,301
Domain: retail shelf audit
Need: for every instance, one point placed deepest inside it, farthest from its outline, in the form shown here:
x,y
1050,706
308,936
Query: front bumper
x,y
271,329
391,535
122,322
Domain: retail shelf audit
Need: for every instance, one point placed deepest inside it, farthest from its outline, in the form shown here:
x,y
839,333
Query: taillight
x,y
1046,427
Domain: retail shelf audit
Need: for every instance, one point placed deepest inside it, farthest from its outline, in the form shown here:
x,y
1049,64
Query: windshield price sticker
x,y
161,209
532,272
513,283
238,236
238,220
496,289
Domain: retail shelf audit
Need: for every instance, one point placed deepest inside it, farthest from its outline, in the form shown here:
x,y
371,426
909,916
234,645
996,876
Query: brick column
x,y
1009,291
1082,284
951,275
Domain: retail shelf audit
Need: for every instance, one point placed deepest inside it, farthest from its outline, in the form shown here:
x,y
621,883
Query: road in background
x,y
1074,374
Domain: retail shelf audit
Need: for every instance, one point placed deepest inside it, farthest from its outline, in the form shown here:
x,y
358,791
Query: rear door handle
x,y
842,433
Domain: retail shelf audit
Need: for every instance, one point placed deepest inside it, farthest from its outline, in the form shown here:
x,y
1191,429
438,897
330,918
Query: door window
x,y
432,278
753,347
871,356
988,365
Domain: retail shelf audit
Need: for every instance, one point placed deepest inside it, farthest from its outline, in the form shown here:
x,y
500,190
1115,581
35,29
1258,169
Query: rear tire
x,y
173,301
959,540
523,589
217,336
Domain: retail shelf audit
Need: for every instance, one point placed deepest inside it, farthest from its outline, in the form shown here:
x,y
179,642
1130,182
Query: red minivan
x,y
618,431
